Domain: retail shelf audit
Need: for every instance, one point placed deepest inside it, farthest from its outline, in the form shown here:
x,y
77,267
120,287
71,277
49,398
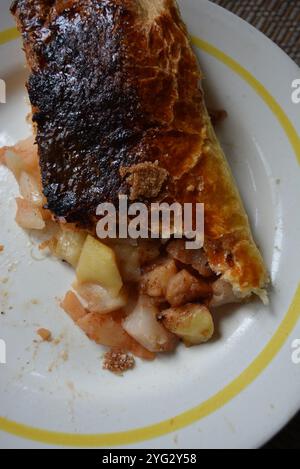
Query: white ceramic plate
x,y
236,391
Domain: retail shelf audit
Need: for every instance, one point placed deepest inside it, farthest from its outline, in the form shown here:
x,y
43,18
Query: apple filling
x,y
139,296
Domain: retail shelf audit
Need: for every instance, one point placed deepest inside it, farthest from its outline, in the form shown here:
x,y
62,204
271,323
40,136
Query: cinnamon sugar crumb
x,y
1,248
118,361
217,116
45,335
145,180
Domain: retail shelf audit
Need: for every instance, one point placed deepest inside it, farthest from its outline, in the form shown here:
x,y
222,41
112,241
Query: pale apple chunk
x,y
14,163
128,261
28,216
193,323
184,288
99,300
155,282
68,246
223,294
31,189
107,330
97,264
22,157
143,326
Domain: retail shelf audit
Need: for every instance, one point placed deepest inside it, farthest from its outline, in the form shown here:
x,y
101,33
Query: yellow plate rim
x,y
238,385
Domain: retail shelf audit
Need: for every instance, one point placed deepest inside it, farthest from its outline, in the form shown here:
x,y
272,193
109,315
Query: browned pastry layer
x,y
115,92
112,83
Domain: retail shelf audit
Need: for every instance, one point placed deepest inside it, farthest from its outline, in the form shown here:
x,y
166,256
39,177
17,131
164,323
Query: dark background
x,y
277,19
280,21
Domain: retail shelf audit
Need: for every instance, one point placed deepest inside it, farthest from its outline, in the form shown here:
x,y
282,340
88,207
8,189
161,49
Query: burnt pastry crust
x,y
108,86
114,84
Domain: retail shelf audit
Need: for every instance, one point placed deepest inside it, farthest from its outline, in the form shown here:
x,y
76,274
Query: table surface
x,y
277,19
280,21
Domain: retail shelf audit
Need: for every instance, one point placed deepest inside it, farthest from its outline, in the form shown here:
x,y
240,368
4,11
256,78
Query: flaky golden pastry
x,y
129,106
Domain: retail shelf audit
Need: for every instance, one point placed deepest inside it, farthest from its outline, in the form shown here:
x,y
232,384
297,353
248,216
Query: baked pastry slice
x,y
118,109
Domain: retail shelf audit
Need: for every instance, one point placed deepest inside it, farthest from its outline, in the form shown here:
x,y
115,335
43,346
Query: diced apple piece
x,y
27,150
107,330
14,163
143,326
22,157
222,294
184,288
128,260
68,246
73,307
155,282
103,329
97,264
30,189
192,322
28,216
99,300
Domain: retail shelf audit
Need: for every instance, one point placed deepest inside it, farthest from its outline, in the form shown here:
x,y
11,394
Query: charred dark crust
x,y
85,113
96,99
114,84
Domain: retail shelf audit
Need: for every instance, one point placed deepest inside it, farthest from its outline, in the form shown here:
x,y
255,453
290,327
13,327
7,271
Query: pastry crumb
x,y
217,116
118,361
45,335
146,180
1,248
